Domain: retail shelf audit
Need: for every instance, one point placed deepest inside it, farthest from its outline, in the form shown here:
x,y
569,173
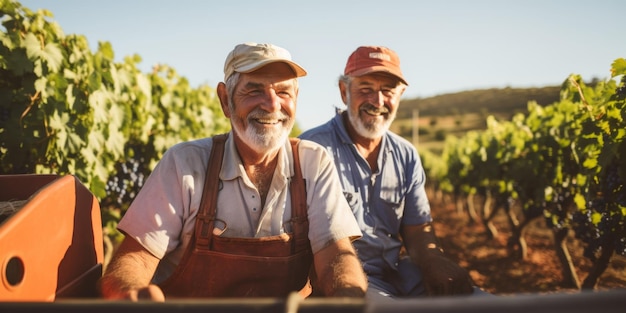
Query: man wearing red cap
x,y
231,215
383,180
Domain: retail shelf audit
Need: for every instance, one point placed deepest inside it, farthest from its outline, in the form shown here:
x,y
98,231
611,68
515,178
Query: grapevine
x,y
564,161
66,109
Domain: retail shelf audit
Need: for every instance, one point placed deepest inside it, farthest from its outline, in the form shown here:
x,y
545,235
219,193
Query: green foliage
x,y
568,158
65,109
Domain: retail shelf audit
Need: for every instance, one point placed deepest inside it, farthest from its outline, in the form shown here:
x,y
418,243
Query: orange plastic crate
x,y
52,246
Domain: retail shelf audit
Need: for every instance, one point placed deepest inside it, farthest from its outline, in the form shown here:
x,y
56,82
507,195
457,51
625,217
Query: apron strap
x,y
207,211
299,217
208,203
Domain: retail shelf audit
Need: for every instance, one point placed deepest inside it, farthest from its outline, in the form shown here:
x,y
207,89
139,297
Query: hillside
x,y
505,100
457,113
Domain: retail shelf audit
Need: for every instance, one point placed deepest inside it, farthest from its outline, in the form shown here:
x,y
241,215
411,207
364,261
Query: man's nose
x,y
272,102
377,98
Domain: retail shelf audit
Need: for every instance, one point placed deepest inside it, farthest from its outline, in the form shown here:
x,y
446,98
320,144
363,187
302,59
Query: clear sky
x,y
444,46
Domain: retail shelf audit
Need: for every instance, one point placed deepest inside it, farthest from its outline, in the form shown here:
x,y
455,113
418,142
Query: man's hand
x,y
443,277
152,293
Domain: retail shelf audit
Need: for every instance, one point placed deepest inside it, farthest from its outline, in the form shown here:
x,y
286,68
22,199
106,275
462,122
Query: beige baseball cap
x,y
250,56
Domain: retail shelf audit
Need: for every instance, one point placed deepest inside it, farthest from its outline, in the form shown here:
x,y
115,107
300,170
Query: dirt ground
x,y
494,270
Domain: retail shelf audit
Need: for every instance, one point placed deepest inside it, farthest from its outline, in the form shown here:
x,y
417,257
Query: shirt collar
x,y
338,122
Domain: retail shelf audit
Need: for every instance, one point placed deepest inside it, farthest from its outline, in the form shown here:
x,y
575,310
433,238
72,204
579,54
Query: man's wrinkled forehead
x,y
281,79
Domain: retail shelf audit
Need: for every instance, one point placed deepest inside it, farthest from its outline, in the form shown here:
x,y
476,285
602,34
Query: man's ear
x,y
343,89
222,94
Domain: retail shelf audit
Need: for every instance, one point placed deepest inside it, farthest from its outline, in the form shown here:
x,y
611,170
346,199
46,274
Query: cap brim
x,y
297,69
379,69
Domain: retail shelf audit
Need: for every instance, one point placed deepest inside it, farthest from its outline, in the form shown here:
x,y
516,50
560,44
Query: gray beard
x,y
369,130
261,142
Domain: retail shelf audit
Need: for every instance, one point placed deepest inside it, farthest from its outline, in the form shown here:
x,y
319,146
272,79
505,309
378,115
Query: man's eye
x,y
388,92
285,93
366,91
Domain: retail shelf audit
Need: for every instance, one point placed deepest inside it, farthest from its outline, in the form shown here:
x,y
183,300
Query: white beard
x,y
262,141
371,129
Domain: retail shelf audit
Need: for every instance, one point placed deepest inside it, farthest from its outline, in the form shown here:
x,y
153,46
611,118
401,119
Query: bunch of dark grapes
x,y
558,210
585,229
594,235
613,184
610,229
128,179
616,191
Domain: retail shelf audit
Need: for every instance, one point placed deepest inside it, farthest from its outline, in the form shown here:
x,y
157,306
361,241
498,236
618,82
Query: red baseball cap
x,y
369,59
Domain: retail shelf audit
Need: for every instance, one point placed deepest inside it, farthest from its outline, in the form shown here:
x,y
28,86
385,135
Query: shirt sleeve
x,y
417,206
330,216
157,215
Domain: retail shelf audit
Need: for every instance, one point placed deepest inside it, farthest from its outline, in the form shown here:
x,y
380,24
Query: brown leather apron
x,y
215,266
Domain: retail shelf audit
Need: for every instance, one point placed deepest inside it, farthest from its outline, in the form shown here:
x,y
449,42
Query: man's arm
x,y
129,273
339,271
441,275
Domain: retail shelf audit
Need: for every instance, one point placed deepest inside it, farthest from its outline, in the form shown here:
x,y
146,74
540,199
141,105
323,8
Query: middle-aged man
x,y
383,180
243,214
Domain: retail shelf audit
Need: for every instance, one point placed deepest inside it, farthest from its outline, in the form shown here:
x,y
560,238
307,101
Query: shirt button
x,y
253,209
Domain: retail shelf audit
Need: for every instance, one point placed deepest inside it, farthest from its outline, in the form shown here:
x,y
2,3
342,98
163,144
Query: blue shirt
x,y
381,201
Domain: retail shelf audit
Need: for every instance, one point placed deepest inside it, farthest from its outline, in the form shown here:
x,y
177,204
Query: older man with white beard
x,y
250,213
383,180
